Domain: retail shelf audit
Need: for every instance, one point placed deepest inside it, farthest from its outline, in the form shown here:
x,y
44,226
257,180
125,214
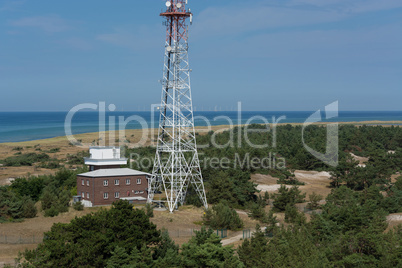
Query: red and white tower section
x,y
176,163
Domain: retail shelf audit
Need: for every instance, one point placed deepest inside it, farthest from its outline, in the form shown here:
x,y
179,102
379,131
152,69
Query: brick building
x,y
106,183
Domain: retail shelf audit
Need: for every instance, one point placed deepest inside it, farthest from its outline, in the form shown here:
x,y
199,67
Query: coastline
x,y
60,147
91,136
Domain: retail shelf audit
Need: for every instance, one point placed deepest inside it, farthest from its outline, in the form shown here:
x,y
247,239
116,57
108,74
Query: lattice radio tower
x,y
176,161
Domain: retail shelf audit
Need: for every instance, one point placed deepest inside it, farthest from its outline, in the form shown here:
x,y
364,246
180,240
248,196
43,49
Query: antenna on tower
x,y
176,164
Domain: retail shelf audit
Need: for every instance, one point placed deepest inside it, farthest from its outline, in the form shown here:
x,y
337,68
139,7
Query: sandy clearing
x,y
312,175
6,181
270,188
395,217
394,220
360,159
315,181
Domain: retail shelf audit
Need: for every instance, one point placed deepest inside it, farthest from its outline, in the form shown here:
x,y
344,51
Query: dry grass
x,y
32,227
40,224
185,219
9,252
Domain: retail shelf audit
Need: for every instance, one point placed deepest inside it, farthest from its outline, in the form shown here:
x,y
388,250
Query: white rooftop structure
x,y
113,172
105,156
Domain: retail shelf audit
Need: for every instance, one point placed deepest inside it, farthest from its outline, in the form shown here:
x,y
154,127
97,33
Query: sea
x,y
26,126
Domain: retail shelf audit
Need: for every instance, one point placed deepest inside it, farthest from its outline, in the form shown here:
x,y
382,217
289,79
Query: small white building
x,y
104,158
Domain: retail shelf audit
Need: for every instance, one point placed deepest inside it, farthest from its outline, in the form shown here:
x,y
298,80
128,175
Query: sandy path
x,y
237,237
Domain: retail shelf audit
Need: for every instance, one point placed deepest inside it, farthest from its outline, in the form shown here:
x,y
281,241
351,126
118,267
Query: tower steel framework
x,y
176,163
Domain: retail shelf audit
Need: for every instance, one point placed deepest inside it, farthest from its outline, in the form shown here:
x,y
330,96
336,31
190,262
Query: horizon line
x,y
58,111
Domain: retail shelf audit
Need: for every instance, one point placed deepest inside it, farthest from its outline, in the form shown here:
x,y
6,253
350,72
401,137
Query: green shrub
x,y
78,206
78,158
52,164
51,212
192,197
393,202
32,186
287,196
73,191
266,198
89,241
54,198
314,201
288,178
222,216
398,183
49,197
28,208
10,204
292,215
205,250
53,150
256,211
271,222
25,159
149,210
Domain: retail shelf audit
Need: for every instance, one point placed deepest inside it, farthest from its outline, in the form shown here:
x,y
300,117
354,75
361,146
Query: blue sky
x,y
270,55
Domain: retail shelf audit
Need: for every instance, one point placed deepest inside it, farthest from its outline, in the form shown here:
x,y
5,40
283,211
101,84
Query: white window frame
x,y
105,183
116,194
87,195
138,180
87,182
105,195
82,182
83,194
118,182
128,181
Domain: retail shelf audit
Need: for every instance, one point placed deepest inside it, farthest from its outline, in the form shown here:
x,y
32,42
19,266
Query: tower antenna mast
x,y
176,164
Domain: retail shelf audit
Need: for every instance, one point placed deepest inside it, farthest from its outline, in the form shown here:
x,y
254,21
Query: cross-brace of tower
x,y
176,163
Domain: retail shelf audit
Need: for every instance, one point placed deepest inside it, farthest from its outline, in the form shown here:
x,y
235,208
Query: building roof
x,y
105,162
134,198
113,172
104,147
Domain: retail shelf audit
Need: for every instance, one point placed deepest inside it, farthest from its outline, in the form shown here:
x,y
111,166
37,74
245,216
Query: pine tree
x,y
252,251
205,250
